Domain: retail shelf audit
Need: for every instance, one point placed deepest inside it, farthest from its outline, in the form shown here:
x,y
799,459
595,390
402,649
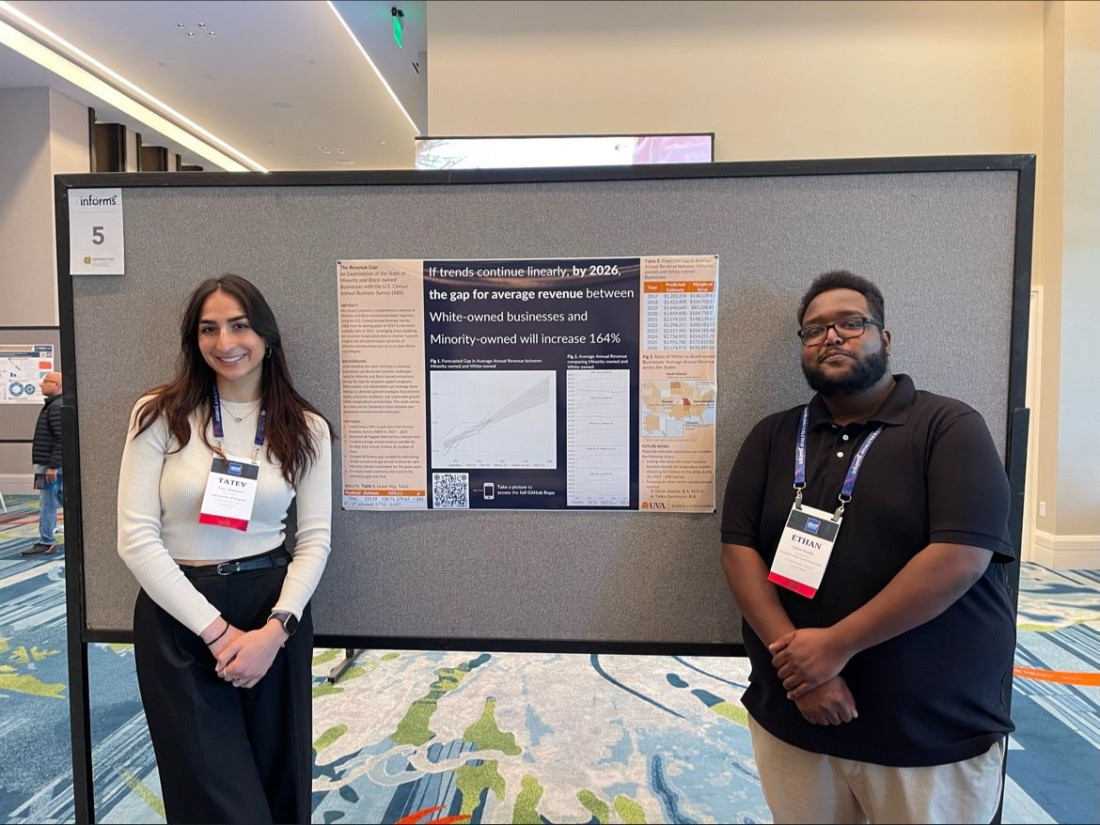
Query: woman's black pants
x,y
225,754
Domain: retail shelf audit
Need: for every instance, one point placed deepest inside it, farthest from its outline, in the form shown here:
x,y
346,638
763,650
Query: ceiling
x,y
283,83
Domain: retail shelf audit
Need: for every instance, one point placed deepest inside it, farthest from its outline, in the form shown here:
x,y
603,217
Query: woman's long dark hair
x,y
288,437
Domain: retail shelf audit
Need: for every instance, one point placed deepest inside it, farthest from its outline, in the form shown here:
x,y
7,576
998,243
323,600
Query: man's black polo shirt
x,y
938,693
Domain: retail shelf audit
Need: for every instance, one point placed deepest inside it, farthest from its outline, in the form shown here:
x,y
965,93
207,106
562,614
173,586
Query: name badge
x,y
230,493
804,550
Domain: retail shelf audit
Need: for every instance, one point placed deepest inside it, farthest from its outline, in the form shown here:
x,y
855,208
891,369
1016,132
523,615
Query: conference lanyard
x,y
232,482
850,477
807,540
219,433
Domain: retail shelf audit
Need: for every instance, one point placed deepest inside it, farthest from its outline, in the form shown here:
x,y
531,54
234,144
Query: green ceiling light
x,y
398,26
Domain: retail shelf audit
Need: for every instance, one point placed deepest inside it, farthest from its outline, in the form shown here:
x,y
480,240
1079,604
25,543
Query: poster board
x,y
19,417
947,240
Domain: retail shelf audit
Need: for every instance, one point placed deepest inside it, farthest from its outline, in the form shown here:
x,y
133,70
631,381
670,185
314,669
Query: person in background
x,y
865,539
46,455
223,638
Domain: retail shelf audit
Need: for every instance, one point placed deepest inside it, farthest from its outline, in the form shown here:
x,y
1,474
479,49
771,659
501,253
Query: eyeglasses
x,y
846,328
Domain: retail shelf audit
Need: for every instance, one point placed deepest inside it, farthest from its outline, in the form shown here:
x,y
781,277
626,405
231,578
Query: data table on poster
x,y
679,316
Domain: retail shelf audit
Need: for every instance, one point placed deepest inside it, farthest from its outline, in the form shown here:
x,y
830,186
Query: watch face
x,y
288,620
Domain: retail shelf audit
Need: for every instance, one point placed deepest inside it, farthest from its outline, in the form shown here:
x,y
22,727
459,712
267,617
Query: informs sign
x,y
95,232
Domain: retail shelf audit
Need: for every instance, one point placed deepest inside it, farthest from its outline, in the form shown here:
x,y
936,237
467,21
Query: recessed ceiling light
x,y
163,118
190,34
202,25
212,34
344,161
179,25
381,143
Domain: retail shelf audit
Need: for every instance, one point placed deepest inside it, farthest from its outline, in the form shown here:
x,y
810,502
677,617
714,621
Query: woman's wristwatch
x,y
286,619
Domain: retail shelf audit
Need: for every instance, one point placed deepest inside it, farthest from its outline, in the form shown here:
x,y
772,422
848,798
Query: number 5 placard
x,y
95,232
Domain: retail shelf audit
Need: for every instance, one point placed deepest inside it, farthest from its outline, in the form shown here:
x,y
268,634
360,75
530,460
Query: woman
x,y
222,632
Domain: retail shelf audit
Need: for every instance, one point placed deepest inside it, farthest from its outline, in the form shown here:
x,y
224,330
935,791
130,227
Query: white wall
x,y
774,80
42,134
1048,260
26,210
793,80
1079,410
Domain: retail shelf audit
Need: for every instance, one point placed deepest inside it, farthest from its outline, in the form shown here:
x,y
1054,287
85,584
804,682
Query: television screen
x,y
580,150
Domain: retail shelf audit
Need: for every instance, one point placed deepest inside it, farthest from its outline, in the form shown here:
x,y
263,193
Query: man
x,y
881,670
46,454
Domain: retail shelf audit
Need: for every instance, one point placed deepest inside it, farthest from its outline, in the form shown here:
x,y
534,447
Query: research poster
x,y
529,384
25,365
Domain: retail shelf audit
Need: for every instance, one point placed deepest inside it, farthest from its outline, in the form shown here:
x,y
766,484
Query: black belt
x,y
268,561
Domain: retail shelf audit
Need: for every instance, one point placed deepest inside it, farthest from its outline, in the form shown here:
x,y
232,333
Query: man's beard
x,y
865,374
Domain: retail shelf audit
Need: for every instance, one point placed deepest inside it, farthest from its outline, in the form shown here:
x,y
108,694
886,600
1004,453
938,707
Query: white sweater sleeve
x,y
139,529
313,539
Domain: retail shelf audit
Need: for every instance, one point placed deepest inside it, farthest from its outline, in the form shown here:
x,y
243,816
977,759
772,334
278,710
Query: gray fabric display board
x,y
947,239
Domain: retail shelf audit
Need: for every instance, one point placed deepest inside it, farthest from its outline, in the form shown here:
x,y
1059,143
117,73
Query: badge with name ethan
x,y
230,493
807,541
804,550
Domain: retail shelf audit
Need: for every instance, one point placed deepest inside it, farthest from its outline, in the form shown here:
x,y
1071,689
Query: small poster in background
x,y
25,365
95,232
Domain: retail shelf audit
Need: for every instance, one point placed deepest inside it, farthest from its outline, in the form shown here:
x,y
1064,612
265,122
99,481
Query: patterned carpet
x,y
450,737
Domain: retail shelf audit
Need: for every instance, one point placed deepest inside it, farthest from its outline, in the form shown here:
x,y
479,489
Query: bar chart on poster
x,y
598,438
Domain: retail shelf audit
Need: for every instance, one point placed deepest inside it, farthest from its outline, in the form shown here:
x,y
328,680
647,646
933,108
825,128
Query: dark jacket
x,y
46,449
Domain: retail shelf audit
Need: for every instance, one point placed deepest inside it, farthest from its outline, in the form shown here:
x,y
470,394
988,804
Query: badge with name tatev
x,y
804,550
230,493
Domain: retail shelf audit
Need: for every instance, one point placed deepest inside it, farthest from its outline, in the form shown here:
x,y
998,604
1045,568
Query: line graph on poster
x,y
499,419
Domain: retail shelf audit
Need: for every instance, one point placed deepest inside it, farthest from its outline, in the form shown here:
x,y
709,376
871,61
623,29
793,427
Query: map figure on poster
x,y
668,405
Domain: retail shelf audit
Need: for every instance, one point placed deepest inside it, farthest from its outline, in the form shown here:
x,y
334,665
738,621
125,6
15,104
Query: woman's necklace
x,y
243,416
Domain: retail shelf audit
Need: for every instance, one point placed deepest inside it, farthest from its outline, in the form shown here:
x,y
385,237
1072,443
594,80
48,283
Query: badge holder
x,y
230,493
806,543
231,486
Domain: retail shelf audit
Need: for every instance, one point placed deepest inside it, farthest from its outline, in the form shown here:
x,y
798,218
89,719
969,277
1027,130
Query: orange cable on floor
x,y
1089,679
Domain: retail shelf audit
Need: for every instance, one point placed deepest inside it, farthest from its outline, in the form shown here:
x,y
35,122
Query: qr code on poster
x,y
451,491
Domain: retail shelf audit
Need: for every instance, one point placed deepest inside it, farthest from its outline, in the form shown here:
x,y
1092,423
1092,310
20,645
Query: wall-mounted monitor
x,y
562,150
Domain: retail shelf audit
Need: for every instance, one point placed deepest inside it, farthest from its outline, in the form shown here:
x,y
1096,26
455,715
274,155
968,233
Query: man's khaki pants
x,y
800,786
